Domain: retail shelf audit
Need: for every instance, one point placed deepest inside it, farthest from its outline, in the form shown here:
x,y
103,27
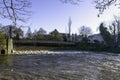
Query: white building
x,y
96,37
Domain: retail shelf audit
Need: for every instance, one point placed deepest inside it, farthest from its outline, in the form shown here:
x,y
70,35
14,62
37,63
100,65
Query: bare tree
x,y
102,5
115,30
15,10
85,31
17,33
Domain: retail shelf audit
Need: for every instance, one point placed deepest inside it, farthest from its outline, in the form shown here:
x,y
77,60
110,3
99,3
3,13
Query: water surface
x,y
68,66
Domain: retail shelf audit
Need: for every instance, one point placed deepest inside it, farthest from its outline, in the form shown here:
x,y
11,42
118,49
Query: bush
x,y
92,46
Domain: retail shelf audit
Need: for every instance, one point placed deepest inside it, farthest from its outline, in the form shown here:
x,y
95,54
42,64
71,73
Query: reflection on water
x,y
5,62
81,66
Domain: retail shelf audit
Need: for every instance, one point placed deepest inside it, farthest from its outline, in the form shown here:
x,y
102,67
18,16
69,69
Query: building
x,y
96,38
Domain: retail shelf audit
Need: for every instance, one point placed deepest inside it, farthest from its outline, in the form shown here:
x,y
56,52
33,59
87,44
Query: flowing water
x,y
67,66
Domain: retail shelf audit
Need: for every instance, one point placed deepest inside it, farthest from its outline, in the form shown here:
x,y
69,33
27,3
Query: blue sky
x,y
53,14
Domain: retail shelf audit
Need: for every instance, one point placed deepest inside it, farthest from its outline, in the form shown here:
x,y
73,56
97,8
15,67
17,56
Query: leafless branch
x,y
102,5
15,10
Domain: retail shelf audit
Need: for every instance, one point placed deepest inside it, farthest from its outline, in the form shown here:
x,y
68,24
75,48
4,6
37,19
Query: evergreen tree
x,y
106,35
55,35
29,33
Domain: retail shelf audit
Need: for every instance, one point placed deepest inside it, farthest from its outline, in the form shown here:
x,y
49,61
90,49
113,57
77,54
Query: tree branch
x,y
15,10
102,5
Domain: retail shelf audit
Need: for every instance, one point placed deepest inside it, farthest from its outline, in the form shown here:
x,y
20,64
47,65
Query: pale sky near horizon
x,y
53,14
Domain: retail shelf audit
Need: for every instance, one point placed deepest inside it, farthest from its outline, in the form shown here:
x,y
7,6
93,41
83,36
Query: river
x,y
67,66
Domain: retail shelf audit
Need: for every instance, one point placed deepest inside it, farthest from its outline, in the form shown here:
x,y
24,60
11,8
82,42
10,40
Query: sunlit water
x,y
68,66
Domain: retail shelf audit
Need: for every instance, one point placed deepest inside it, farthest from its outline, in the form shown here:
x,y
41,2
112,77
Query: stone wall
x,y
10,46
3,47
6,46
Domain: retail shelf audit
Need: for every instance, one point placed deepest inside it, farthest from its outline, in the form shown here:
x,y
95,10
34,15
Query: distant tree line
x,y
110,34
41,34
